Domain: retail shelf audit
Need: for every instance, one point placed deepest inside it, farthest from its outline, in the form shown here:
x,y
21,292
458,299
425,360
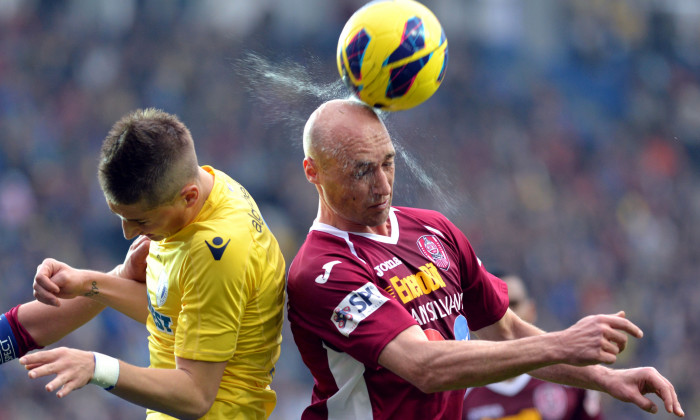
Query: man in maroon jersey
x,y
382,298
524,396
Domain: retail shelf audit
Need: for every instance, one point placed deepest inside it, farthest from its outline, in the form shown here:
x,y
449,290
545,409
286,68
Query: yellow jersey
x,y
216,293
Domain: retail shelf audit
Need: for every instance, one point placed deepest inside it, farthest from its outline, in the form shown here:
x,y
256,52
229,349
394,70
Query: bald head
x,y
334,125
350,159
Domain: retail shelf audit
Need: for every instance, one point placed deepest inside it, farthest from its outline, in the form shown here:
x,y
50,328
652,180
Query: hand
x,y
597,339
54,280
630,386
73,368
134,266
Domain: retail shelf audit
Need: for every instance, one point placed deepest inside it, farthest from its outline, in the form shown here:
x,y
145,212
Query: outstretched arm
x,y
48,324
626,385
188,391
124,288
34,325
560,356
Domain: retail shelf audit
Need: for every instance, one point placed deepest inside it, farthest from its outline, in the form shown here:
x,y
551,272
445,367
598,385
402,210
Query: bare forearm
x,y
48,324
488,361
441,365
589,377
169,391
188,391
577,376
123,295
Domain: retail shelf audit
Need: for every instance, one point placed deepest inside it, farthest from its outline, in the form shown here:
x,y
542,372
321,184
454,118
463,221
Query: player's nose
x,y
130,229
382,184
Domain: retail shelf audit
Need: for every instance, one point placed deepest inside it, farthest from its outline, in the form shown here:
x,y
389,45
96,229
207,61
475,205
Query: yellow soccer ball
x,y
392,54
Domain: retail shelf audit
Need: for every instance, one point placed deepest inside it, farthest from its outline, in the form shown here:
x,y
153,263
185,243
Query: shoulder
x,y
324,253
207,244
422,213
432,220
426,217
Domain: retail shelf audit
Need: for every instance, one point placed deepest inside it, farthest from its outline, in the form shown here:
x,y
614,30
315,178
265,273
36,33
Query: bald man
x,y
382,298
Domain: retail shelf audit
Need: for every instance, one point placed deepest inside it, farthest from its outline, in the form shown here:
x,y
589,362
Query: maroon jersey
x,y
351,293
528,398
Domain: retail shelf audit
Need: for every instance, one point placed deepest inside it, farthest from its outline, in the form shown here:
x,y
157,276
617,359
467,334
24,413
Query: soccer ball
x,y
392,54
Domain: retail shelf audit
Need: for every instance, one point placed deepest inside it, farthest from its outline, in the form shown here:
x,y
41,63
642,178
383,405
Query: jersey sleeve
x,y
346,309
216,286
485,296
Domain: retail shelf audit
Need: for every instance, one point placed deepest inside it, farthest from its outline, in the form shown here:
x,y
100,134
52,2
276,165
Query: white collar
x,y
511,387
393,239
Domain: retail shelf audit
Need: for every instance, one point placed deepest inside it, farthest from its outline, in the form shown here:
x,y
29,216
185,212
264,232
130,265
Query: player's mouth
x,y
382,205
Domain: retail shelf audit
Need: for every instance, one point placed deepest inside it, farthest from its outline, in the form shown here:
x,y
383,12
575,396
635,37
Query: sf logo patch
x,y
217,247
356,306
342,316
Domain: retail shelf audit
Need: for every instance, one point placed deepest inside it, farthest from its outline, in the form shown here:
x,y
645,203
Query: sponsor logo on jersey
x,y
7,351
161,321
256,218
433,335
8,344
387,265
217,247
438,309
432,249
424,282
322,278
356,306
461,328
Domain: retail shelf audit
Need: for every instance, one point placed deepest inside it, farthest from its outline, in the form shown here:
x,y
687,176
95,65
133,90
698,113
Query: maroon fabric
x,y
25,342
535,399
352,293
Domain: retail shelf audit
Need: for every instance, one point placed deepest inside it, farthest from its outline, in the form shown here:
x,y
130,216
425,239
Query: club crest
x,y
432,249
162,290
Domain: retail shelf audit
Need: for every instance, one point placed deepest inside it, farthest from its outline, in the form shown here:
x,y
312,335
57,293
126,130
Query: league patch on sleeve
x,y
357,305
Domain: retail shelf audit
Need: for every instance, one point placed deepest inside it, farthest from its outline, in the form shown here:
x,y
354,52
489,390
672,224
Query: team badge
x,y
162,289
550,400
431,248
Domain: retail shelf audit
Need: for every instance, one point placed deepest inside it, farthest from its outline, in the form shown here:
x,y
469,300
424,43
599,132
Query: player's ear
x,y
311,170
190,193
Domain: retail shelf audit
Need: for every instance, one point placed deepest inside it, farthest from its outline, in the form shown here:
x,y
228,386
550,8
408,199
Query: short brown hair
x,y
147,156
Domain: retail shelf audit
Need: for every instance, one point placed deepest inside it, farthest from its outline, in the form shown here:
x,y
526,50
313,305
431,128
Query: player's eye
x,y
361,174
362,171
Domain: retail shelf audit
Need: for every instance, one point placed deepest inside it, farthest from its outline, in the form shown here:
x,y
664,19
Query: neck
x,y
205,182
329,217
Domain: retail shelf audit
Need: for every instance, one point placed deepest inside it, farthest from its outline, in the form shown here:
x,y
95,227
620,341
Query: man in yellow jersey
x,y
214,283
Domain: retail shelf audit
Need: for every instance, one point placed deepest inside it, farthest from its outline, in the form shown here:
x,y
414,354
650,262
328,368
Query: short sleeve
x,y
485,296
346,310
215,291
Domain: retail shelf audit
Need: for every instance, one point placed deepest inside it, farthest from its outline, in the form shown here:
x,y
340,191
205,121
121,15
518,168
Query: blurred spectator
x,y
524,395
566,133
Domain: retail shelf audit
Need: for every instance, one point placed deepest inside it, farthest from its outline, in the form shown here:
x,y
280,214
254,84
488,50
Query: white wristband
x,y
106,371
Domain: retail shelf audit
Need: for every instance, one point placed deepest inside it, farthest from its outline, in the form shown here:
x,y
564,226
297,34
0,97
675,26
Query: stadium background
x,y
565,142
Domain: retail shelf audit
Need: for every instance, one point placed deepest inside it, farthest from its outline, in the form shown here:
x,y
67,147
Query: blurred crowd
x,y
564,141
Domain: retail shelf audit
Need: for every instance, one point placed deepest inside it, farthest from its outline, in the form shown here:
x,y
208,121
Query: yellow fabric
x,y
225,309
